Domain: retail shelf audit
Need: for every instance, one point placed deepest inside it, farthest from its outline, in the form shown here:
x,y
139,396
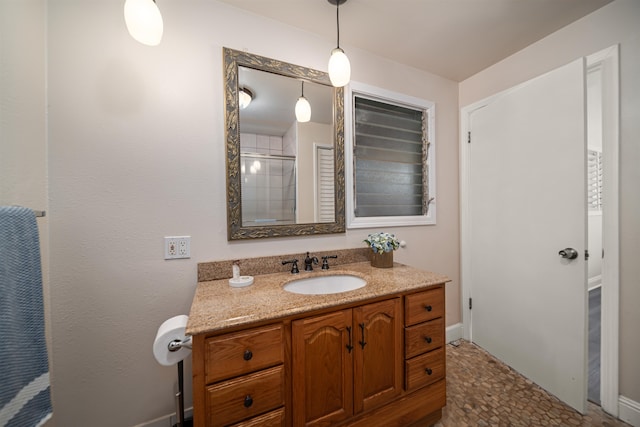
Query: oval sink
x,y
321,285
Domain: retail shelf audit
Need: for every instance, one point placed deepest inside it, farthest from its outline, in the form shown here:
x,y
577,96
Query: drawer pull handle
x,y
248,401
350,344
428,307
428,371
248,355
428,340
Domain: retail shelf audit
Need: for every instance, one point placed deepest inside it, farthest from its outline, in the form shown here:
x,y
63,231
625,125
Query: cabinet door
x,y
378,354
322,369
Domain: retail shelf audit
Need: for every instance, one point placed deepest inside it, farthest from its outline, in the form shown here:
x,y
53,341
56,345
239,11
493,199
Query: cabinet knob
x,y
247,355
428,340
248,401
428,371
428,307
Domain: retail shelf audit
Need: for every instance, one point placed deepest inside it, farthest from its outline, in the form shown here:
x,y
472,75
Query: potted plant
x,y
382,246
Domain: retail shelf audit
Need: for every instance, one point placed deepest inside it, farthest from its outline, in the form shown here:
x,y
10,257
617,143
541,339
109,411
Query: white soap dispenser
x,y
238,281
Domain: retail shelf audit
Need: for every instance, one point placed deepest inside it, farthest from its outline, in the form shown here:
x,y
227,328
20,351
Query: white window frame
x,y
349,133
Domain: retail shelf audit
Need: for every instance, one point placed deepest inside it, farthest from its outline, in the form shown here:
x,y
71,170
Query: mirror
x,y
284,177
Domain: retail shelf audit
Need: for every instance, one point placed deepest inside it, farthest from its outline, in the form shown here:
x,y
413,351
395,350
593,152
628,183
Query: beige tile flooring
x,y
482,391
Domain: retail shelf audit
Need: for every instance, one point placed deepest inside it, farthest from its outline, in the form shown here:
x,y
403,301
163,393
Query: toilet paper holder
x,y
166,349
176,345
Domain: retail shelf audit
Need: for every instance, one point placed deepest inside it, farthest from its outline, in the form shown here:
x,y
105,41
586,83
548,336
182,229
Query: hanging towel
x,y
24,383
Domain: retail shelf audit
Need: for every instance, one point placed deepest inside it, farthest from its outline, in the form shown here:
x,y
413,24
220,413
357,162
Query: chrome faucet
x,y
309,261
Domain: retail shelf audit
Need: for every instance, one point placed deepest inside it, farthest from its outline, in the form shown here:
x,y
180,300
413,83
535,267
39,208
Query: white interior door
x,y
527,197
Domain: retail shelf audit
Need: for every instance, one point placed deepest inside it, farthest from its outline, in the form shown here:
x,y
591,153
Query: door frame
x,y
608,60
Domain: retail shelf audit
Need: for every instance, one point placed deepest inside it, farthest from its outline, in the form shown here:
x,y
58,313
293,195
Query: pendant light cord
x,y
338,20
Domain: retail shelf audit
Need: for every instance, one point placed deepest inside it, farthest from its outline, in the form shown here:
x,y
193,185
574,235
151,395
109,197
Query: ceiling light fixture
x,y
303,108
245,96
339,66
144,21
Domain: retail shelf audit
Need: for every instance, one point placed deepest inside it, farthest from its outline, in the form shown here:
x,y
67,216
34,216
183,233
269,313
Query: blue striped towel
x,y
24,384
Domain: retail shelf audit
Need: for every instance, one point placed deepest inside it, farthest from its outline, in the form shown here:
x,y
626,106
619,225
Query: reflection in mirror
x,y
284,177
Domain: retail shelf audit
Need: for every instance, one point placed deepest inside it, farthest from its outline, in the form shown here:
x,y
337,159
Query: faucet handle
x,y
325,263
294,267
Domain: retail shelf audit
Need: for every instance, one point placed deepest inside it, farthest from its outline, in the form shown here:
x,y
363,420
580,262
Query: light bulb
x,y
303,110
339,68
144,21
244,98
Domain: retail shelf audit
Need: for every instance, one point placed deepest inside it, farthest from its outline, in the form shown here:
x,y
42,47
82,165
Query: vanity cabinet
x,y
346,362
424,338
245,378
379,361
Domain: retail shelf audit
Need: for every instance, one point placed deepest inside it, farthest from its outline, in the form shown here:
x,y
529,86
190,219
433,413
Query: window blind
x,y
594,180
325,182
389,152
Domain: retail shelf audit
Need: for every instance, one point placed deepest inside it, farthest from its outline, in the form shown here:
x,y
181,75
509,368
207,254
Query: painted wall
x,y
614,23
23,150
136,152
308,134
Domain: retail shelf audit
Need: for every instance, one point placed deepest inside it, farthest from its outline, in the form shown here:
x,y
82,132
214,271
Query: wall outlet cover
x,y
176,247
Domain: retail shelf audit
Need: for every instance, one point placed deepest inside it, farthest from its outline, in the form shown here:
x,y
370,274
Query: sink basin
x,y
322,285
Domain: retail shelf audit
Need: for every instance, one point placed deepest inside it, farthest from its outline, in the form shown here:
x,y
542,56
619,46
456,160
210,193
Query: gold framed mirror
x,y
284,177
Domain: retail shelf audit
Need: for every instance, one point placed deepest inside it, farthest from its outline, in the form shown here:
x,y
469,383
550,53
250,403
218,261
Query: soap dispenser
x,y
238,281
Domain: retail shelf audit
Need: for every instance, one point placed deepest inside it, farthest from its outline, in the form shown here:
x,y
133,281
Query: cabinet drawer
x,y
244,397
271,419
424,306
238,353
423,337
424,369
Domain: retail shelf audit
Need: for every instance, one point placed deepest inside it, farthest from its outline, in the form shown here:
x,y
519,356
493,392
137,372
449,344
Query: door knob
x,y
568,253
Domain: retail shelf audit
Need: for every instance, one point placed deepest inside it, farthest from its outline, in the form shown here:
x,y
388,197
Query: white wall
x,y
614,23
23,150
136,152
309,133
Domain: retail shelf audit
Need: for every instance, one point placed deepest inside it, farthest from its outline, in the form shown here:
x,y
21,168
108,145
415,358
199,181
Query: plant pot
x,y
382,260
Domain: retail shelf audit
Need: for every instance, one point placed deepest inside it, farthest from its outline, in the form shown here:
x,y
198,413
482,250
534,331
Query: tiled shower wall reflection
x,y
268,180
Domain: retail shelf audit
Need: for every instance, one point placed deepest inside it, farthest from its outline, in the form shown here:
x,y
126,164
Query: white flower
x,y
382,242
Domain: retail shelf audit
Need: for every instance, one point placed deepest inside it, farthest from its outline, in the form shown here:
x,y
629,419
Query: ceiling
x,y
452,38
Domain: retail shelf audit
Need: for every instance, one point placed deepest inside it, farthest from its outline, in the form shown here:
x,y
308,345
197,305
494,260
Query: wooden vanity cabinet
x,y
346,362
243,374
424,338
372,363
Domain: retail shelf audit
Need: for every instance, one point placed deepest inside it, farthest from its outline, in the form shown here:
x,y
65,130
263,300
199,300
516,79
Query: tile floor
x,y
482,391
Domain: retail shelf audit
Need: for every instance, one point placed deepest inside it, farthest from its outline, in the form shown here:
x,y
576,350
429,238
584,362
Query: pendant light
x,y
144,21
339,66
245,96
303,108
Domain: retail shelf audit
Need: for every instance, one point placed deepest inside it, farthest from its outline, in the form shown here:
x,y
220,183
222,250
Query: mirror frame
x,y
232,59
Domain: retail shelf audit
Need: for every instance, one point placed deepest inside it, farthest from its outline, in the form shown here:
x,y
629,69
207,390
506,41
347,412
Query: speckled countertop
x,y
216,305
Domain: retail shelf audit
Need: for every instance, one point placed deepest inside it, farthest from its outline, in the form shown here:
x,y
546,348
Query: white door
x,y
527,197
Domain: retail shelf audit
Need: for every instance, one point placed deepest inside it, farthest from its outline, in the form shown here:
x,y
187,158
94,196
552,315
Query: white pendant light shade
x,y
303,110
244,98
339,68
144,21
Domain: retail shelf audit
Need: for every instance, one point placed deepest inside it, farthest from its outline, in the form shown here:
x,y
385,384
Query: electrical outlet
x,y
177,247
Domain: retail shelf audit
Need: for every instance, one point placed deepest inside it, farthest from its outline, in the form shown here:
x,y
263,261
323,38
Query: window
x,y
389,153
594,181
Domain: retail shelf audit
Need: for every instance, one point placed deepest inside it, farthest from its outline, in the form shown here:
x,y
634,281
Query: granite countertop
x,y
216,305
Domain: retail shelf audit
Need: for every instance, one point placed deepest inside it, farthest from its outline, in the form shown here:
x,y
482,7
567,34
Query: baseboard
x,y
454,332
167,420
629,411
